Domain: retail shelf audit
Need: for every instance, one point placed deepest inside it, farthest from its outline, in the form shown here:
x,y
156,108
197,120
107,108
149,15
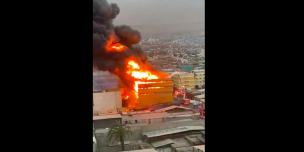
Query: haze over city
x,y
162,17
148,76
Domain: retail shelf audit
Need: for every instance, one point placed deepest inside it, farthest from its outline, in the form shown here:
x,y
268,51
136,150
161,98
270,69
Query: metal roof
x,y
172,107
180,142
184,149
193,138
164,132
162,143
142,150
145,116
145,146
195,127
172,131
107,117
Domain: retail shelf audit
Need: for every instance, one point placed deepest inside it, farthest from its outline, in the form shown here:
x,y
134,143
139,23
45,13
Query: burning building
x,y
114,51
155,92
151,92
148,88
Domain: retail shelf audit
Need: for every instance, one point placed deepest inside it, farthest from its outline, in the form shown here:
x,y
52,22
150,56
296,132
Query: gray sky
x,y
162,16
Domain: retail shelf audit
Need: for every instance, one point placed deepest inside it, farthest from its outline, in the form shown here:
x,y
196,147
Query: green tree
x,y
118,133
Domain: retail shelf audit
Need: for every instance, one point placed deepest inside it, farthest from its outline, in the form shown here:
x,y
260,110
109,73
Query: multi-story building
x,y
155,91
150,92
199,76
183,80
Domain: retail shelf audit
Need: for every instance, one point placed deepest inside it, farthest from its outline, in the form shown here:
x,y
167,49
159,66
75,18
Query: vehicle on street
x,y
186,101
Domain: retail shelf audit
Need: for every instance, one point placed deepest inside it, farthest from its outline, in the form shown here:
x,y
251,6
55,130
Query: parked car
x,y
186,101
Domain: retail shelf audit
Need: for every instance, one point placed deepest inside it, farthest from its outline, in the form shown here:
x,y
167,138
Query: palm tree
x,y
118,133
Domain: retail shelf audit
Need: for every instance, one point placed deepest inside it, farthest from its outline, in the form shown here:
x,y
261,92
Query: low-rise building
x,y
106,102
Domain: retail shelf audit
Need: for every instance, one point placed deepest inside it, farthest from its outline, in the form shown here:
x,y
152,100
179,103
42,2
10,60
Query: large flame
x,y
136,72
116,47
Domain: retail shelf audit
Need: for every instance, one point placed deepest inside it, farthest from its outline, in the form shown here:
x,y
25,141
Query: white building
x,y
107,102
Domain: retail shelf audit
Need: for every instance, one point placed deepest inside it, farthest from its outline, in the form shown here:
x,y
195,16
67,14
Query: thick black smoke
x,y
105,33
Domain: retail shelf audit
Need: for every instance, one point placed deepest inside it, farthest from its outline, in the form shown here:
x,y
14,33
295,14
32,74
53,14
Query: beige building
x,y
185,79
199,76
106,102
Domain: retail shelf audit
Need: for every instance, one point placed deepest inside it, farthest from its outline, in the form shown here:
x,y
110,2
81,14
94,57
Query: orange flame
x,y
137,73
133,65
116,47
131,105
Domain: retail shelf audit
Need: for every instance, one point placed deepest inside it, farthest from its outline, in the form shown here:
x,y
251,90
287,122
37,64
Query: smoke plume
x,y
105,34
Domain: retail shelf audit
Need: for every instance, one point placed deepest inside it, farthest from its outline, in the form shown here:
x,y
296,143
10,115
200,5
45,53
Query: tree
x,y
196,87
118,133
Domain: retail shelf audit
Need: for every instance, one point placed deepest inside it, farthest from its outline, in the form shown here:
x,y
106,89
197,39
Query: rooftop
x,y
142,150
195,139
184,149
112,116
145,116
172,131
162,143
172,107
145,146
200,147
180,142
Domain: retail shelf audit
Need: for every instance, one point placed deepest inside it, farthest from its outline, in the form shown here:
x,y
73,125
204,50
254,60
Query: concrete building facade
x,y
107,102
199,76
183,80
155,91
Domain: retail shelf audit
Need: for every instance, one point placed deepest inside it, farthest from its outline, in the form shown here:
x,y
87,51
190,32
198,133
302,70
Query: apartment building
x,y
199,76
183,79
